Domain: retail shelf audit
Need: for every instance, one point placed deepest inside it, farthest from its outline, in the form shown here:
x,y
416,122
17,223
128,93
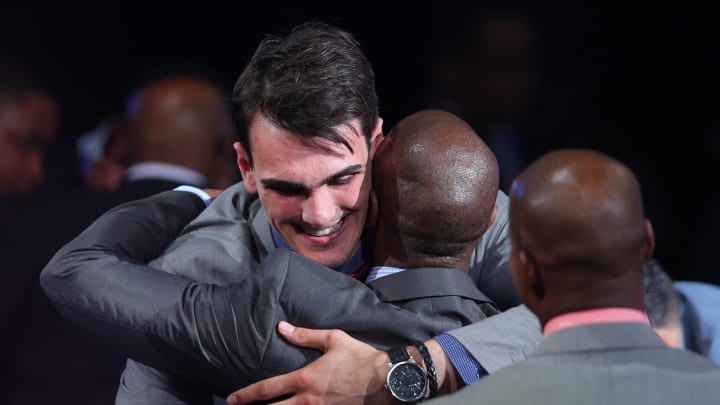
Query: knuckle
x,y
304,378
264,391
335,335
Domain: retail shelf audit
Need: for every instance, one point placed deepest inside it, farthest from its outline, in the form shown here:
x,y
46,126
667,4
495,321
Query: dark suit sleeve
x,y
100,275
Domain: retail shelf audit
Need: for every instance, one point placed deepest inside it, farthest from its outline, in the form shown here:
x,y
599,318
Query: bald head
x,y
578,217
436,181
180,120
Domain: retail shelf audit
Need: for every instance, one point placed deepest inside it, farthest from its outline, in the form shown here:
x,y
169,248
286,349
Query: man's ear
x,y
246,169
493,214
373,210
376,137
531,275
650,239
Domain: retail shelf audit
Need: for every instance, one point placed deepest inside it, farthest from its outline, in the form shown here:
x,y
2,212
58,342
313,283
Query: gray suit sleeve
x,y
99,280
158,219
490,262
509,336
501,339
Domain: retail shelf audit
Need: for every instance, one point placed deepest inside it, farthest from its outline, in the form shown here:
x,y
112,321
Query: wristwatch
x,y
406,381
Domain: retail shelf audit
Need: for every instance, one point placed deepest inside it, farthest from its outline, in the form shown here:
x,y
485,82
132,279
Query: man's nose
x,y
320,209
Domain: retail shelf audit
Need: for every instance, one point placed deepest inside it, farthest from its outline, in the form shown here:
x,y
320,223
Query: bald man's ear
x,y
246,170
650,239
373,211
531,277
493,214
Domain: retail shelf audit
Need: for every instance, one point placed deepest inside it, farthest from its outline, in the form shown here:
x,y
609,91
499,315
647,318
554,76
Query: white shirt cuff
x,y
197,191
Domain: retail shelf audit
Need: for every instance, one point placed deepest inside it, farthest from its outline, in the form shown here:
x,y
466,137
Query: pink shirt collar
x,y
591,316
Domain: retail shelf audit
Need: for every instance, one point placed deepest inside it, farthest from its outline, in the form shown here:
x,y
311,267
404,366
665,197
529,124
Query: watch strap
x,y
429,367
398,354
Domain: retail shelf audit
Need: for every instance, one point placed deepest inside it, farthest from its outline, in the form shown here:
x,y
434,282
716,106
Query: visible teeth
x,y
324,231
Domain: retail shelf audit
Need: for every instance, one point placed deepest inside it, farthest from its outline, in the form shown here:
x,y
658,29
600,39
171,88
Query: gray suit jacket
x,y
611,363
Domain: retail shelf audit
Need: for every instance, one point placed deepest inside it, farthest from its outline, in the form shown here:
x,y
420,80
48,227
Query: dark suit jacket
x,y
227,333
43,356
610,363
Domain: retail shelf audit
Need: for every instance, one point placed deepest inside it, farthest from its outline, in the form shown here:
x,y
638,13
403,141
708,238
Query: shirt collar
x,y
164,171
592,316
381,271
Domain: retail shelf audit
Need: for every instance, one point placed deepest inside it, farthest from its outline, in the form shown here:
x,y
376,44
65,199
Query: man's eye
x,y
341,180
288,192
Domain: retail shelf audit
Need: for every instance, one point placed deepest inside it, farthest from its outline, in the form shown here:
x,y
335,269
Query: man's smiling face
x,y
315,194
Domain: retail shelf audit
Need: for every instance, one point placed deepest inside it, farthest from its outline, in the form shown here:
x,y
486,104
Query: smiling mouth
x,y
324,231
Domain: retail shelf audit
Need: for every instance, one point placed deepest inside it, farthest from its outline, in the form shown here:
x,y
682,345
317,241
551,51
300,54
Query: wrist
x,y
429,364
448,378
379,394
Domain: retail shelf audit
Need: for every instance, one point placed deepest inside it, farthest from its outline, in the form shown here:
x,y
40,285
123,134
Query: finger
x,y
311,338
263,390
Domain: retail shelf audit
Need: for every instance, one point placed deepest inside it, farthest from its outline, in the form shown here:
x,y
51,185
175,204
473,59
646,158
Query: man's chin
x,y
334,262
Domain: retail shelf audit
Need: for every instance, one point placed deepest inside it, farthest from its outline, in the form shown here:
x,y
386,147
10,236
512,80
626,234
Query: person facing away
x,y
434,154
685,314
178,131
579,240
28,123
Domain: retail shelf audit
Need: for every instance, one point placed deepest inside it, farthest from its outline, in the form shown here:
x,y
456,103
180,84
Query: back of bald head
x,y
580,212
180,120
443,190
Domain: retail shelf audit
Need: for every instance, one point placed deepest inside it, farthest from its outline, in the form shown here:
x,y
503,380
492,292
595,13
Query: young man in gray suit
x,y
431,153
579,240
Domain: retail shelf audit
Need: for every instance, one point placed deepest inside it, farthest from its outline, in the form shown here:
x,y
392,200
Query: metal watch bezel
x,y
394,369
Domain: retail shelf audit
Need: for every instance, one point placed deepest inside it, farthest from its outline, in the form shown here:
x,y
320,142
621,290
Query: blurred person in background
x,y
685,314
28,122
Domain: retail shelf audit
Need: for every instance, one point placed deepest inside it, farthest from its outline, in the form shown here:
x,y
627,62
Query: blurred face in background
x,y
27,127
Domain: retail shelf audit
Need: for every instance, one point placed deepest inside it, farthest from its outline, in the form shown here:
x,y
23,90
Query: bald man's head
x,y
436,181
577,216
183,121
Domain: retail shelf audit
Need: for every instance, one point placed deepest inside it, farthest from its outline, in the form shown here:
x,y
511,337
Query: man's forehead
x,y
304,161
351,131
30,121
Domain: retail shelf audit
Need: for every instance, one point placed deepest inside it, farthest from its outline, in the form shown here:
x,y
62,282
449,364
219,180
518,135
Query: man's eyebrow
x,y
292,186
352,169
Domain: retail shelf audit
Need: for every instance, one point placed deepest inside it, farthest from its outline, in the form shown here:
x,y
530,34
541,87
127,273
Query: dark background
x,y
638,82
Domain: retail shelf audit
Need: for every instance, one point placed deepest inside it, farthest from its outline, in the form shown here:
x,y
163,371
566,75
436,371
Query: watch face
x,y
407,382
